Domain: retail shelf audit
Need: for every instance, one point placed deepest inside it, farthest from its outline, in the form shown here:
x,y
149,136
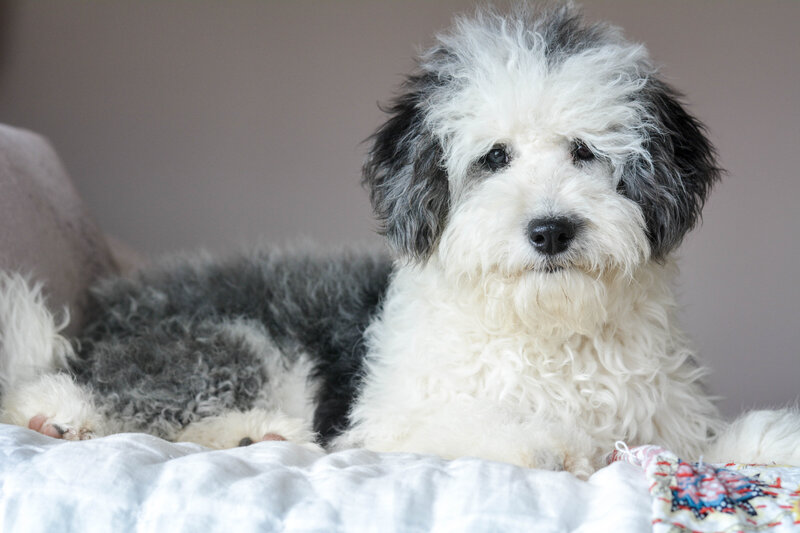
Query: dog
x,y
533,179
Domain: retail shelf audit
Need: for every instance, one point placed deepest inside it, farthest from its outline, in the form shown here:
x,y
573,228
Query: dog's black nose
x,y
551,236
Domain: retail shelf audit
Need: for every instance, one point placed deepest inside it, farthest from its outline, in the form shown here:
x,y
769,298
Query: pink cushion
x,y
45,229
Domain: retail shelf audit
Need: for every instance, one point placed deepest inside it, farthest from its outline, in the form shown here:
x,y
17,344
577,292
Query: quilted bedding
x,y
135,482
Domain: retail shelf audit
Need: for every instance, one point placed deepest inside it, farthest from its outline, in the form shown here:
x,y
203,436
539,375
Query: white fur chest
x,y
444,365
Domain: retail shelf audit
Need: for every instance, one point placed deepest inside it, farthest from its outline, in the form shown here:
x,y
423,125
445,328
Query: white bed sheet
x,y
135,482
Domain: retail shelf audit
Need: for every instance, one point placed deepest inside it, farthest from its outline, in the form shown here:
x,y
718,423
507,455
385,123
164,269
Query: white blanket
x,y
135,482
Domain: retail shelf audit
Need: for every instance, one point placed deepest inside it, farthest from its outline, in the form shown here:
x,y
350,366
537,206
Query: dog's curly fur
x,y
533,179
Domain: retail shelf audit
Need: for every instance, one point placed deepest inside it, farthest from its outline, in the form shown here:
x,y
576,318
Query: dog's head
x,y
537,143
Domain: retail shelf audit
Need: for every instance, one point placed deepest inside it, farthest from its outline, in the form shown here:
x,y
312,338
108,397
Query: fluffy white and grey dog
x,y
533,179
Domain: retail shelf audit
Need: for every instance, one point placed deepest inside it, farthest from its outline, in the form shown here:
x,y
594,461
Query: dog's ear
x,y
672,181
404,174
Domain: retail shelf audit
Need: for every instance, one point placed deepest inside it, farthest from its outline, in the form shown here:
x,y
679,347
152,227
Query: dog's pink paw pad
x,y
247,441
40,424
37,422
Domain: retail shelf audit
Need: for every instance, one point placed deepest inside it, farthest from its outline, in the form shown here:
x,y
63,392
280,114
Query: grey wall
x,y
218,124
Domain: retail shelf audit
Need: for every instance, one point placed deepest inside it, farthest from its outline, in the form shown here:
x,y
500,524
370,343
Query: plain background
x,y
223,124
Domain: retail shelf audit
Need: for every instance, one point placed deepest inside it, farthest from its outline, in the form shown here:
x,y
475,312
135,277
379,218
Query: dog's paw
x,y
247,441
557,447
579,465
558,459
51,428
237,428
53,405
575,460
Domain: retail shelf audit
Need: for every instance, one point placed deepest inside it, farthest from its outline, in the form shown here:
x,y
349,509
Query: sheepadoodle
x,y
533,178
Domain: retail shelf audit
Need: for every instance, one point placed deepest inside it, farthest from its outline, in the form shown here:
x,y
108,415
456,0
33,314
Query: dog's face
x,y
537,147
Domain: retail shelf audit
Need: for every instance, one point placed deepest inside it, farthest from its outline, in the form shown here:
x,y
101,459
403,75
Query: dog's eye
x,y
496,159
581,152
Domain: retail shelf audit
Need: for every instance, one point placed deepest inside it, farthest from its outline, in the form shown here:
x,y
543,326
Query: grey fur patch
x,y
403,173
566,33
671,188
171,373
160,352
